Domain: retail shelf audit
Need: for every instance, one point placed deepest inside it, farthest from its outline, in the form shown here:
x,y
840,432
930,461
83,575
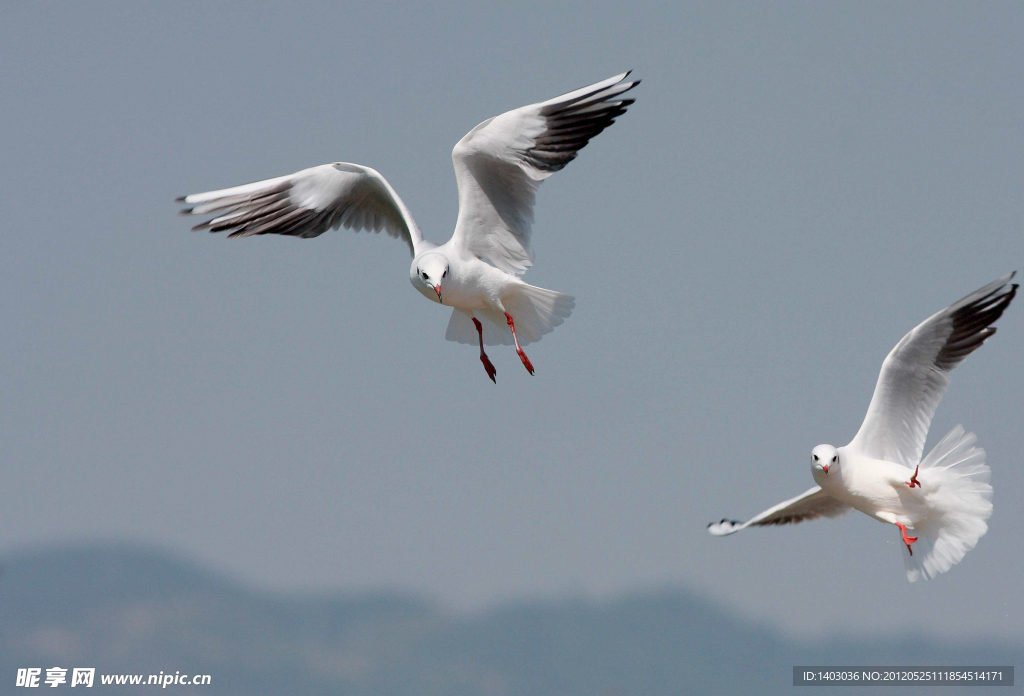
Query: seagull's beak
x,y
824,467
437,289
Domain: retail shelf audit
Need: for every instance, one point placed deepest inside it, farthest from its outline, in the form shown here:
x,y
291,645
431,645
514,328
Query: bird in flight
x,y
939,504
498,167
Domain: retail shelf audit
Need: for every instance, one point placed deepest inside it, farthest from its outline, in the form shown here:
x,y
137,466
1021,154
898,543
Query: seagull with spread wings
x,y
943,499
498,167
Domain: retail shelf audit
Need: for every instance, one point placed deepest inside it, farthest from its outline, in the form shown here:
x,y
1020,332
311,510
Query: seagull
x,y
498,167
943,499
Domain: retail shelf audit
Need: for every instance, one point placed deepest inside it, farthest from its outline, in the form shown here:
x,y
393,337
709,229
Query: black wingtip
x,y
1013,290
180,199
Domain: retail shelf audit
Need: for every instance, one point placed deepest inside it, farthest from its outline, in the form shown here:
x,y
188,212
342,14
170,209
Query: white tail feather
x,y
959,499
536,312
462,330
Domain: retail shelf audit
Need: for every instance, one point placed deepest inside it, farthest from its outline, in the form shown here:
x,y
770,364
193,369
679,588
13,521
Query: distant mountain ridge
x,y
133,609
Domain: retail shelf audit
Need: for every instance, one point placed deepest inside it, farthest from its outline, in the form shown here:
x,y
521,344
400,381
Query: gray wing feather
x,y
809,505
500,164
306,204
915,374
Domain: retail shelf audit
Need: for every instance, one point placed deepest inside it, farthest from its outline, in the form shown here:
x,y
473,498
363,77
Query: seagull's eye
x,y
443,275
424,275
835,458
815,457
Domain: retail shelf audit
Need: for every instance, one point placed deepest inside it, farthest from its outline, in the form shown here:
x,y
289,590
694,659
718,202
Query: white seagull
x,y
498,167
943,499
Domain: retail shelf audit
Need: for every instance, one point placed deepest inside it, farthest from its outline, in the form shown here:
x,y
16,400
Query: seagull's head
x,y
824,458
428,274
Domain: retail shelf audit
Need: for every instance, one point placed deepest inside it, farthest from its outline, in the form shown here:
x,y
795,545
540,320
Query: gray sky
x,y
795,188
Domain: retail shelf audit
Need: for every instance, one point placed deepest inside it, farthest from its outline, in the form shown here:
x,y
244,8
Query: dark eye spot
x,y
815,457
834,459
443,275
424,275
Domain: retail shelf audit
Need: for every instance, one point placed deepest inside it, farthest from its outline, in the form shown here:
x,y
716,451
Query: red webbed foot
x,y
491,371
526,361
908,540
913,479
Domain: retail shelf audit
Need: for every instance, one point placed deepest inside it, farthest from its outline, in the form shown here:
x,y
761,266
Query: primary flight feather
x,y
940,504
498,167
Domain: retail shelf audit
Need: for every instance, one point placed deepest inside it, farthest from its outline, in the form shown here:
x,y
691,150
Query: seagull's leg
x,y
483,356
913,479
522,356
906,540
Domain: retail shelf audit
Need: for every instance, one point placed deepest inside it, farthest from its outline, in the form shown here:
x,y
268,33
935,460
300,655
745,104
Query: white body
x,y
948,513
474,288
875,487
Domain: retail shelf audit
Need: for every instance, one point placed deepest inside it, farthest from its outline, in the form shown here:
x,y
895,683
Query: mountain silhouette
x,y
128,609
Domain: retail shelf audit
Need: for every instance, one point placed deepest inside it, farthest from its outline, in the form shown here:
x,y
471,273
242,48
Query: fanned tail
x,y
536,312
959,499
462,330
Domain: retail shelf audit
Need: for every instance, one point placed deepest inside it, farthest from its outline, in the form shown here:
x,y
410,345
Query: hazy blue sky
x,y
796,187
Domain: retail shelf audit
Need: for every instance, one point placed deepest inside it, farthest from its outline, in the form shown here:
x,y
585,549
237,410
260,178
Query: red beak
x,y
824,467
437,289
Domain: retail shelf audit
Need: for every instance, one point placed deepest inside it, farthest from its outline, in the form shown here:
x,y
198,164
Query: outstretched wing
x,y
916,373
308,203
811,505
500,163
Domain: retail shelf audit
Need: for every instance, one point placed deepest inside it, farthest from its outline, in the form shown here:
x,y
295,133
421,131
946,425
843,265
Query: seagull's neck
x,y
827,481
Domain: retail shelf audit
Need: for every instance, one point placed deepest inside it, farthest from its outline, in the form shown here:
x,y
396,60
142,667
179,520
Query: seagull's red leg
x,y
913,479
522,356
483,356
906,540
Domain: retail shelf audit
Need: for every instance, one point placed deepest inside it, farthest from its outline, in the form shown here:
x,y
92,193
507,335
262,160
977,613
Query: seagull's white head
x,y
428,273
824,458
